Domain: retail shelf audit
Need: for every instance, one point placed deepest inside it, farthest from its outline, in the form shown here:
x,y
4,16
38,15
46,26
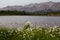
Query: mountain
x,y
12,8
35,7
55,7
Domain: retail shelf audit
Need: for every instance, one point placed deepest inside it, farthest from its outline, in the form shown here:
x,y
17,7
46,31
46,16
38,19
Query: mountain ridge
x,y
34,7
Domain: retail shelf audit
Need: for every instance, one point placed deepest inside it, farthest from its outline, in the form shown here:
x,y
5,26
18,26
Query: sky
x,y
4,3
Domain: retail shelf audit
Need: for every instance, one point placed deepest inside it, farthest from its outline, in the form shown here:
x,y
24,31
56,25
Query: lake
x,y
19,21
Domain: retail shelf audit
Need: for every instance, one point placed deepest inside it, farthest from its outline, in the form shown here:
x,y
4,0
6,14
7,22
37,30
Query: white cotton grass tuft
x,y
29,23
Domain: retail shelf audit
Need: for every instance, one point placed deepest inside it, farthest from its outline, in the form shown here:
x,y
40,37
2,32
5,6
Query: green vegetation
x,y
28,33
39,13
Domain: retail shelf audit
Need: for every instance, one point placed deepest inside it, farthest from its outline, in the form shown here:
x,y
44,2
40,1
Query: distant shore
x,y
23,13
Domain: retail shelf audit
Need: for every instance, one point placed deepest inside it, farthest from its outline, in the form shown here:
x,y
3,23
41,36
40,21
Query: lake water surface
x,y
35,20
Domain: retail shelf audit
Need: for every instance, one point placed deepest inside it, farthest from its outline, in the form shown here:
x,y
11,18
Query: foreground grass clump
x,y
28,33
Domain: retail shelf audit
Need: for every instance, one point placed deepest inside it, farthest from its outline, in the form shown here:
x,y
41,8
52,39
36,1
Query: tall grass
x,y
28,33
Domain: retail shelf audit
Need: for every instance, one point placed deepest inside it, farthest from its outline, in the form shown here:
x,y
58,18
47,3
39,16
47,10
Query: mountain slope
x,y
55,7
35,7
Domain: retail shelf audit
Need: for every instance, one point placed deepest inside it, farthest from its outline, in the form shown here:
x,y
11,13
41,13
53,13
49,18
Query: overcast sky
x,y
4,3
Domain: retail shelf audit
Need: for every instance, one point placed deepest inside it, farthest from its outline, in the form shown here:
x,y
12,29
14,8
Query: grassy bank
x,y
28,33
